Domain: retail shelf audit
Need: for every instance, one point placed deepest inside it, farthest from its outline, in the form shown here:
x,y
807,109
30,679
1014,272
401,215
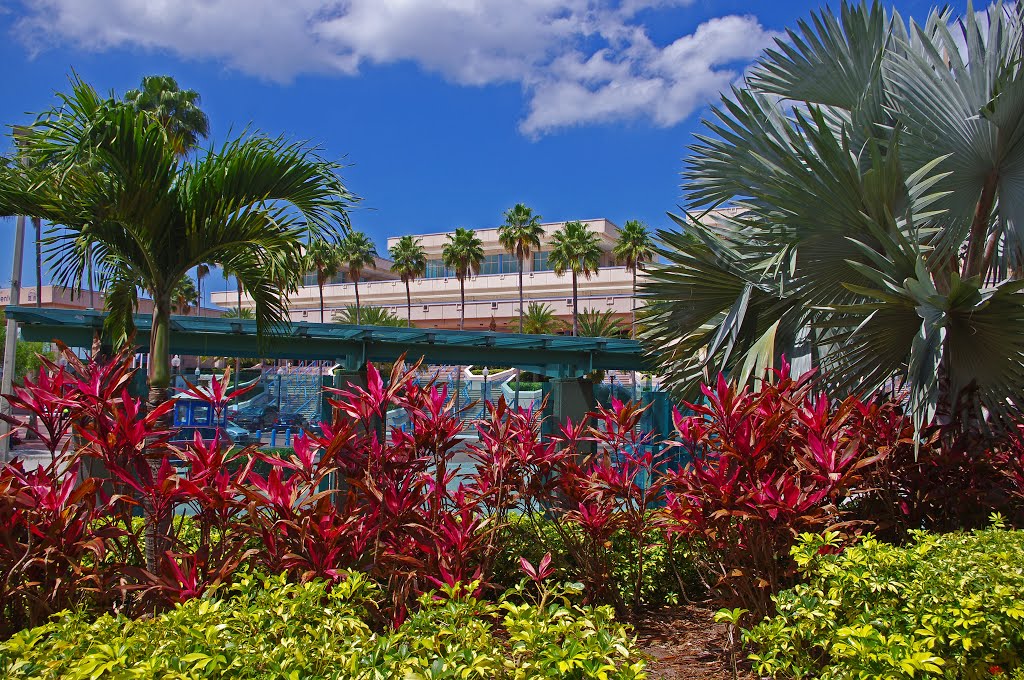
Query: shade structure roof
x,y
349,345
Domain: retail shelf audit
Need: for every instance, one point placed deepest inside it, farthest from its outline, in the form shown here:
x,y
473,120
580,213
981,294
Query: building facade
x,y
492,296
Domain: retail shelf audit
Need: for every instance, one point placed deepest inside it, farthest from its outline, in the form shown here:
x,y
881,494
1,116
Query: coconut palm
x,y
184,295
540,319
323,257
357,252
408,260
520,233
463,254
107,176
577,250
594,323
875,170
370,316
176,110
634,247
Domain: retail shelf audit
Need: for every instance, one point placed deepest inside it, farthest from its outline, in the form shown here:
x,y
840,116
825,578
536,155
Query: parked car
x,y
239,435
290,421
252,419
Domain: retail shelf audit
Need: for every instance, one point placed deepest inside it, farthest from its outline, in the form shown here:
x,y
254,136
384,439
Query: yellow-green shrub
x,y
266,627
949,605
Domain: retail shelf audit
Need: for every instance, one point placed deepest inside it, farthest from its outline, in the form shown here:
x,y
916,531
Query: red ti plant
x,y
764,466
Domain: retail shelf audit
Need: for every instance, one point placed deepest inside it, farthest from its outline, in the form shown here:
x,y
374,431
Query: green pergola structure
x,y
566,360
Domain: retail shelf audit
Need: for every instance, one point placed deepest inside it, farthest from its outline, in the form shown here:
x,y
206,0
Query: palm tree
x,y
408,260
597,324
876,183
371,316
238,313
176,110
539,320
577,250
634,247
463,254
357,252
184,295
324,258
246,206
520,233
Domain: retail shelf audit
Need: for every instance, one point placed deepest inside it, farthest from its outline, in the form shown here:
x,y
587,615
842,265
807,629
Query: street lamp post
x,y
486,390
176,364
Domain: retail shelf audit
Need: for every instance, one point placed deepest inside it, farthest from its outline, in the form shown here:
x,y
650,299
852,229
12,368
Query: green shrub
x,y
946,605
266,627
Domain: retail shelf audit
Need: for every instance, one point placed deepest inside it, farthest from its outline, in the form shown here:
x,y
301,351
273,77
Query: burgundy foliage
x,y
763,466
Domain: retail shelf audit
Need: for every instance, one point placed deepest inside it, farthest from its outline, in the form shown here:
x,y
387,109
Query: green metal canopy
x,y
351,346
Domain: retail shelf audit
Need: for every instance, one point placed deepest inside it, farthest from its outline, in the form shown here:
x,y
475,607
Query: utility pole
x,y
11,340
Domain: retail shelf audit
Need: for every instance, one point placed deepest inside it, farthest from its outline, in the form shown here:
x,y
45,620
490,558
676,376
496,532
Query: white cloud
x,y
578,61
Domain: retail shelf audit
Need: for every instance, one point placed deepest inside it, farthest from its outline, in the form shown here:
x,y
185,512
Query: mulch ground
x,y
684,643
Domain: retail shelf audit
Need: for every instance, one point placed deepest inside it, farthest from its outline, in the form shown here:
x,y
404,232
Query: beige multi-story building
x,y
492,296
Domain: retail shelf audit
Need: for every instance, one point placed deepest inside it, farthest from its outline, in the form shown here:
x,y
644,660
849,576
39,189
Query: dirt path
x,y
684,643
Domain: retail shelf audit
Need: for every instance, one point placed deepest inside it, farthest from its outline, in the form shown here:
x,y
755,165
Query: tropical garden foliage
x,y
873,169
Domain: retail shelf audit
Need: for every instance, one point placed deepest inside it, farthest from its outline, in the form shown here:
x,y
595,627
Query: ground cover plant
x,y
942,605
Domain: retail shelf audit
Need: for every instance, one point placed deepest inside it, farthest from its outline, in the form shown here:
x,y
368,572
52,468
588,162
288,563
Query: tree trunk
x,y
520,296
462,310
355,283
408,304
575,299
634,303
38,223
159,382
974,262
238,362
320,286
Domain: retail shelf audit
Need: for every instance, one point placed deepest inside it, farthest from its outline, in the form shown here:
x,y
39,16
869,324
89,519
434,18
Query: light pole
x,y
486,390
176,364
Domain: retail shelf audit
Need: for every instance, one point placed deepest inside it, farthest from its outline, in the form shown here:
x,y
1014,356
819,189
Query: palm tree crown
x,y
322,257
357,253
874,168
409,261
109,179
540,319
184,296
175,109
520,233
464,253
634,247
577,250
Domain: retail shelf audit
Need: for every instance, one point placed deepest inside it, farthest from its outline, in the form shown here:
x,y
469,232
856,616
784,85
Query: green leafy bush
x,y
945,605
267,627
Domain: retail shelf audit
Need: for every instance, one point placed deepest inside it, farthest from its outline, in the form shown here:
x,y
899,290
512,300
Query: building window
x,y
540,262
509,264
437,270
490,265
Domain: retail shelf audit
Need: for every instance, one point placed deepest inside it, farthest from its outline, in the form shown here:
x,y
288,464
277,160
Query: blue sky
x,y
447,111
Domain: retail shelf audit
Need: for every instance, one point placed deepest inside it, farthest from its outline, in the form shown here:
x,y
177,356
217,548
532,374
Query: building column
x,y
571,398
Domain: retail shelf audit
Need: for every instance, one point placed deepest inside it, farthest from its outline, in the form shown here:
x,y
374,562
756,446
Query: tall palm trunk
x,y
38,223
520,296
979,227
199,295
575,310
355,282
159,384
320,285
633,335
408,304
462,308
